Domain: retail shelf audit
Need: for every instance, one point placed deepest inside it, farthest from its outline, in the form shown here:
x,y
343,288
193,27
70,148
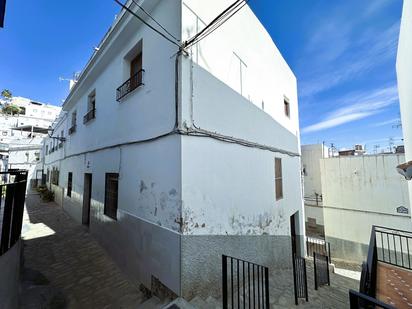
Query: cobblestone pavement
x,y
64,267
334,296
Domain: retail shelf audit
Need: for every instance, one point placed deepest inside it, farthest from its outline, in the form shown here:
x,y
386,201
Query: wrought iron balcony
x,y
91,114
131,84
72,129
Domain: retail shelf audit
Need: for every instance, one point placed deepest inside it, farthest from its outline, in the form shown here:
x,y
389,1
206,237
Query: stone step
x,y
152,303
199,303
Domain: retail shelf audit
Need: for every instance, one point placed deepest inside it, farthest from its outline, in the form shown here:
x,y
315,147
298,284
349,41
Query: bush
x,y
41,189
47,195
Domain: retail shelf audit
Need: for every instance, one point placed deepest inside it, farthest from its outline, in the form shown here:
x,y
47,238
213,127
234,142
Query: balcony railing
x,y
91,114
131,84
72,129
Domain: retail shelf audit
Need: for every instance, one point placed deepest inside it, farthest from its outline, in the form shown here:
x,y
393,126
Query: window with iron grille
x,y
111,195
55,176
278,179
47,175
69,184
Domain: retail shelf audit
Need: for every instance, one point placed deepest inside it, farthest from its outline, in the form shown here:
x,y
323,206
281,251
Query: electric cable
x,y
147,24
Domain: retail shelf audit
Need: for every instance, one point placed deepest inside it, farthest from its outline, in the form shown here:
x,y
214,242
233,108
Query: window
x,y
111,195
61,138
47,149
286,107
55,176
48,175
278,179
4,133
74,121
135,71
91,107
37,156
69,184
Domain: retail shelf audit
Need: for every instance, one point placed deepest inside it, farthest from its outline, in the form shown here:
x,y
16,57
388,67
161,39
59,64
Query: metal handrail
x,y
360,300
91,114
72,129
129,85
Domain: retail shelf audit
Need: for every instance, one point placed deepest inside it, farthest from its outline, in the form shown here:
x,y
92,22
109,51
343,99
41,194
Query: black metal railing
x,y
359,300
393,246
12,197
317,245
131,84
72,129
300,281
91,114
321,270
245,284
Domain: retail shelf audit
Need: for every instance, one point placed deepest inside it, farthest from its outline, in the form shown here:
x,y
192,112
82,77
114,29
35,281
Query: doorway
x,y
294,233
87,196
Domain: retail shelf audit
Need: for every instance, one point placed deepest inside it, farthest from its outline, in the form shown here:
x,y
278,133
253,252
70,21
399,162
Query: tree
x,y
6,94
11,109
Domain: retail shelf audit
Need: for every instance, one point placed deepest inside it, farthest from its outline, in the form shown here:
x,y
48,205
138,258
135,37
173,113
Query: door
x,y
294,223
87,196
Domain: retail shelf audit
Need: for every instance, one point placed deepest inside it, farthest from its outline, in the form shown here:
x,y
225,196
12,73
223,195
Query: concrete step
x,y
213,303
179,303
199,303
151,303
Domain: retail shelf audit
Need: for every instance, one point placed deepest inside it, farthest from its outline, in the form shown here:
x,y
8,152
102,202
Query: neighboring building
x,y
21,135
311,156
404,73
169,158
358,192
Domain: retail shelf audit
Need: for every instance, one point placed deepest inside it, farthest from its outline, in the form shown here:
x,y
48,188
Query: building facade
x,y
312,184
404,74
358,192
175,158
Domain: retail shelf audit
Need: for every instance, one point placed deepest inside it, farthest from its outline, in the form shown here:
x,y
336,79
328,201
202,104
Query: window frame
x,y
286,107
69,184
279,194
111,210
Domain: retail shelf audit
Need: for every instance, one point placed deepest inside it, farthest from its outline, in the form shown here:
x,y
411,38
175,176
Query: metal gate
x,y
300,281
321,269
245,284
12,197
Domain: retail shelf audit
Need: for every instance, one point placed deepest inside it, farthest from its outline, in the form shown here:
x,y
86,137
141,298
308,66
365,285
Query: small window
x,y
111,195
74,121
91,107
69,184
278,179
4,133
47,149
48,175
136,71
286,107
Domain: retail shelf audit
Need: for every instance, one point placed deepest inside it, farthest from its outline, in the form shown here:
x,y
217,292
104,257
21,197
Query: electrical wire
x,y
147,24
217,22
152,18
217,26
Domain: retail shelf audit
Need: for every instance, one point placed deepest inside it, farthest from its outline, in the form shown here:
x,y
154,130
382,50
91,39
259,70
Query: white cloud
x,y
387,122
356,106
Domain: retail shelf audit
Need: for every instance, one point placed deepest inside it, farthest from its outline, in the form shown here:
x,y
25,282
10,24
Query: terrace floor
x,y
394,285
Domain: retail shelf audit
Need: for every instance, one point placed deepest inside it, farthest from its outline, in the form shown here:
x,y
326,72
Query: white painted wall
x,y
311,155
404,72
361,191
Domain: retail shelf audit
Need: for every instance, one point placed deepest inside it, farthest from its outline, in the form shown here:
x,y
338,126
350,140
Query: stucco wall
x,y
404,73
358,192
9,277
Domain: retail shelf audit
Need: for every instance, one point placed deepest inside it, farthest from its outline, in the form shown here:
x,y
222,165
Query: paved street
x,y
64,265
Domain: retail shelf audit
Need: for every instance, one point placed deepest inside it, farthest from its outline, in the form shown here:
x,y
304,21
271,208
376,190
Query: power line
x,y
152,18
150,26
217,22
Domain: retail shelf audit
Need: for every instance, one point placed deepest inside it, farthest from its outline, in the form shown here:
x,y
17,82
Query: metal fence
x,y
245,284
12,197
321,269
393,246
317,245
300,281
358,300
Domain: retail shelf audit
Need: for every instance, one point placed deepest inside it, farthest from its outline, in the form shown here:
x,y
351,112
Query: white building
x,y
312,184
187,165
21,135
357,192
404,72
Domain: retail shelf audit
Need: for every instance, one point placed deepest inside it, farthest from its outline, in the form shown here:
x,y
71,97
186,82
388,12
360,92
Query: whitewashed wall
x,y
358,192
404,72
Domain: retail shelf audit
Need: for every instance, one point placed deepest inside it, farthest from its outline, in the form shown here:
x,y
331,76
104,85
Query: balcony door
x,y
135,71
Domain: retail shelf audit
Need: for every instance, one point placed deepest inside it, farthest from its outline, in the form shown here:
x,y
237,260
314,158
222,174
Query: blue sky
x,y
342,52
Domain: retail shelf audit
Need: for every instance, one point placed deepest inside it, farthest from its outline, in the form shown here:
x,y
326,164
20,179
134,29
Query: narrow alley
x,y
64,267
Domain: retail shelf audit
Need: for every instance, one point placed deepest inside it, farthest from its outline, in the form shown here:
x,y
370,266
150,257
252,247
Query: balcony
x,y
130,85
386,278
72,129
91,114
